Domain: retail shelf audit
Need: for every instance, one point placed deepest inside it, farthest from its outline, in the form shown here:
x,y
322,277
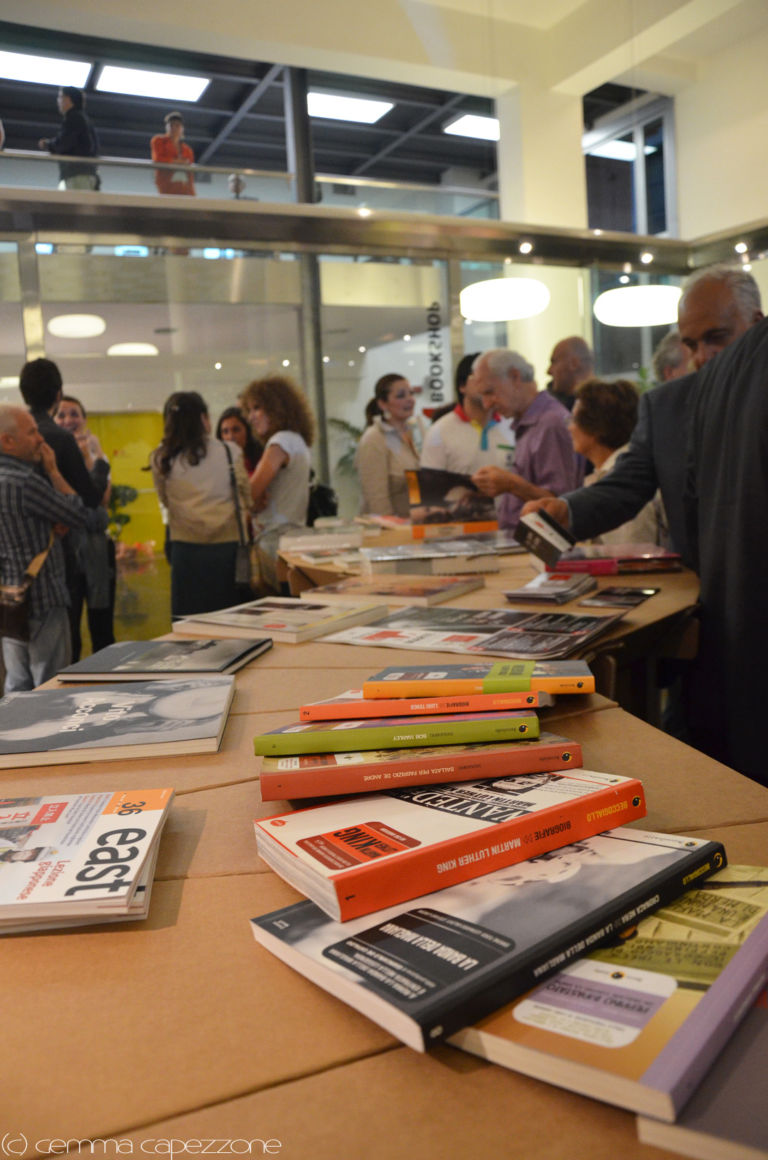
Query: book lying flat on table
x,y
373,770
69,859
483,632
727,1117
447,503
614,559
143,660
397,732
551,588
437,557
352,705
107,722
637,1023
425,969
391,590
284,618
502,677
357,855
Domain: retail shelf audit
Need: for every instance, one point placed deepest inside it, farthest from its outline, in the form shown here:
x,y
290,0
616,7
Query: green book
x,y
439,680
397,733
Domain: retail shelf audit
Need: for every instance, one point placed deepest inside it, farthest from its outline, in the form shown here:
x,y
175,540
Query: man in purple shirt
x,y
545,462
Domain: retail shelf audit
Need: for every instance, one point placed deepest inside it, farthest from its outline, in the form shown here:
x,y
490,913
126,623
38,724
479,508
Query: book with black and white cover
x,y
432,557
543,536
284,618
481,632
637,1023
418,591
727,1116
152,660
107,722
356,855
426,968
67,859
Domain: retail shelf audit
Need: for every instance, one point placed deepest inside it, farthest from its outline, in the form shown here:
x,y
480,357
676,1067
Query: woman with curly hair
x,y
193,475
282,421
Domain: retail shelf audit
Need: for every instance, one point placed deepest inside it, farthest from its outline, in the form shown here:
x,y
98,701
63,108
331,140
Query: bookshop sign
x,y
16,1144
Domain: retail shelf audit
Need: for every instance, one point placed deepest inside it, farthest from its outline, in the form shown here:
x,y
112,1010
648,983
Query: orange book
x,y
352,705
361,854
501,677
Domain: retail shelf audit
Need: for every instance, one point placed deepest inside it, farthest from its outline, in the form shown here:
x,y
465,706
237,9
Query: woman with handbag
x,y
203,485
281,419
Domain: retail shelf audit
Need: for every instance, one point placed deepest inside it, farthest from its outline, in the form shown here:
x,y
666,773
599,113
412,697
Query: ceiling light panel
x,y
140,82
334,107
473,125
44,70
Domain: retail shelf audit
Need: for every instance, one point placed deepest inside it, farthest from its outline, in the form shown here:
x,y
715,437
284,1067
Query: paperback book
x,y
144,660
397,732
391,590
440,962
68,859
352,705
283,618
619,596
445,502
357,855
436,558
501,677
727,1117
310,539
107,722
638,1023
370,771
548,588
614,559
543,536
481,632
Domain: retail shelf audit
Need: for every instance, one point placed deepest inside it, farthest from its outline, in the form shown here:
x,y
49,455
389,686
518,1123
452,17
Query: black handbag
x,y
14,600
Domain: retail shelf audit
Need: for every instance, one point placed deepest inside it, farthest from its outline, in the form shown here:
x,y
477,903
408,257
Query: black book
x,y
145,660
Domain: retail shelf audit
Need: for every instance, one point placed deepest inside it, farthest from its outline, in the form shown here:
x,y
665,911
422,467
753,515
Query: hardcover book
x,y
727,1117
440,962
490,632
391,590
352,705
358,855
637,1024
284,618
447,503
107,722
501,677
373,770
397,732
144,660
436,558
67,859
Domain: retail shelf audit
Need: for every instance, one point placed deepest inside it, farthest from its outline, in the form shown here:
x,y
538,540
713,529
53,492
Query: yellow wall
x,y
127,438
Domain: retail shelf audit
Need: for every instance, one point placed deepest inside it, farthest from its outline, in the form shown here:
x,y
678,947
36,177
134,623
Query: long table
x,y
181,1027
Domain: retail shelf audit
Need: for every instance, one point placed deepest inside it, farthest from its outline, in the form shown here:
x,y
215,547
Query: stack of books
x,y
441,891
78,859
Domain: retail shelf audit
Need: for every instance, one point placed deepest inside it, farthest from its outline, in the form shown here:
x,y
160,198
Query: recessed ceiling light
x,y
217,366
132,349
286,362
472,125
624,279
142,82
326,359
406,338
335,107
76,325
364,212
44,70
741,247
525,247
646,258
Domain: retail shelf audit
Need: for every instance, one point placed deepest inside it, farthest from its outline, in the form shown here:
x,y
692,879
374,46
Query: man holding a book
x,y
545,462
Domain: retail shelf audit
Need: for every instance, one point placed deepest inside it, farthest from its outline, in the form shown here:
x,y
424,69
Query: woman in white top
x,y
388,448
193,474
282,421
602,421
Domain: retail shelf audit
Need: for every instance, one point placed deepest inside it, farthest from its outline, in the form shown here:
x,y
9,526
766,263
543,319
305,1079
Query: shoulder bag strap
x,y
243,537
37,561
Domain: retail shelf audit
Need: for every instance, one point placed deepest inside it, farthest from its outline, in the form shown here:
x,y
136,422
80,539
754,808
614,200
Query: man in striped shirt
x,y
30,508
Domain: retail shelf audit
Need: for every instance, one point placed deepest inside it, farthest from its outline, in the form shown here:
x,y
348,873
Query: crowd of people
x,y
609,463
